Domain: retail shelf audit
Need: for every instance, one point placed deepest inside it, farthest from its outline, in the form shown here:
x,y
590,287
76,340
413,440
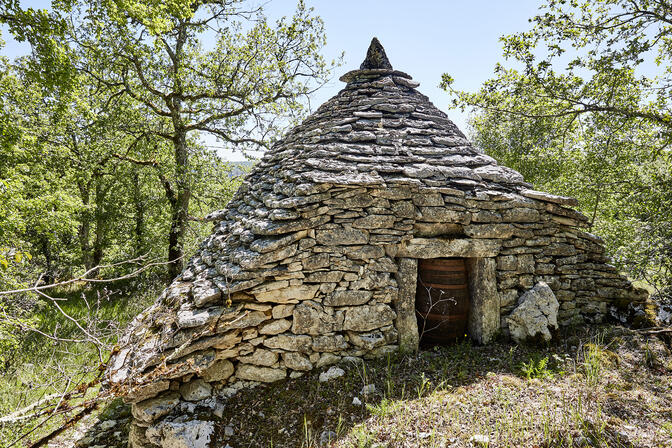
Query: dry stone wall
x,y
313,297
314,260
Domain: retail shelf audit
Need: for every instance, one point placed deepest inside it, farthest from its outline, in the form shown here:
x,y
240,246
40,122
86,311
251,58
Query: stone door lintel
x,y
484,315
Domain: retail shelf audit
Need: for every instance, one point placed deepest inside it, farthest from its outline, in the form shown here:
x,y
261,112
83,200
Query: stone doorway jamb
x,y
484,315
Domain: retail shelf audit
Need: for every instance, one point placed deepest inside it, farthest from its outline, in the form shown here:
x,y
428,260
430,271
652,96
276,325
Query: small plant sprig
x,y
537,368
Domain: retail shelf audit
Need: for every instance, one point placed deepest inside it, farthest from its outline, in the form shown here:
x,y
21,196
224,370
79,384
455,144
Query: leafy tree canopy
x,y
583,109
603,47
182,69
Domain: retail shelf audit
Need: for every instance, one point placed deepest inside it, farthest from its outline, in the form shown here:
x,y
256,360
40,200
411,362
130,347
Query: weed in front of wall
x,y
510,360
361,370
595,355
423,386
650,358
384,408
389,380
537,368
307,432
363,437
666,428
340,426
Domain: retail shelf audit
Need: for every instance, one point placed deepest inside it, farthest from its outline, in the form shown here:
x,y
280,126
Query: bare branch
x,y
85,279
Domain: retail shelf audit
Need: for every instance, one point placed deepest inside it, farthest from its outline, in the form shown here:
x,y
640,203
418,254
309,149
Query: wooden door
x,y
442,300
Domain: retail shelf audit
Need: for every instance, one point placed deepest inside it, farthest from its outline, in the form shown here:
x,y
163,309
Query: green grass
x,y
592,388
41,367
606,387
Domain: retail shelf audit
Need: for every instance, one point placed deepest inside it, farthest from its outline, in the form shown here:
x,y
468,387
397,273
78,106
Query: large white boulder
x,y
191,434
535,315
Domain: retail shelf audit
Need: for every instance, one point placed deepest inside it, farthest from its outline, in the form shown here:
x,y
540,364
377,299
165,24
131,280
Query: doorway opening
x,y
442,300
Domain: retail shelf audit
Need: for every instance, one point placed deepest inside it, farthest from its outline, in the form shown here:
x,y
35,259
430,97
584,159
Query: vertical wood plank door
x,y
442,300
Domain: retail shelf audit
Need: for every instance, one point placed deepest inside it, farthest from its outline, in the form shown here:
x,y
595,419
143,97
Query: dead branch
x,y
64,403
656,330
85,279
22,414
69,423
92,339
431,307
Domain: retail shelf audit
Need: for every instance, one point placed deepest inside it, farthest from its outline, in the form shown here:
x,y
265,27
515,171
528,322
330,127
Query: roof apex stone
x,y
376,58
375,65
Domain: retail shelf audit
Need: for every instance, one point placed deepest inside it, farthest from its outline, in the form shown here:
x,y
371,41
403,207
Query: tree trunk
x,y
179,205
139,216
101,225
84,231
49,274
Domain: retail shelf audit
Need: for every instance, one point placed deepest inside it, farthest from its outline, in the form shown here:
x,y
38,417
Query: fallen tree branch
x,y
656,330
22,414
84,278
88,407
92,339
69,423
78,391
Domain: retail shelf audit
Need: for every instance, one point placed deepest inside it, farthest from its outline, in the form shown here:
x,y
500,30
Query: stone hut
x,y
315,259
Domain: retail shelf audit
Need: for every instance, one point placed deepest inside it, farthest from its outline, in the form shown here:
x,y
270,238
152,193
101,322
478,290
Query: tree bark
x,y
101,225
139,206
179,205
84,232
49,275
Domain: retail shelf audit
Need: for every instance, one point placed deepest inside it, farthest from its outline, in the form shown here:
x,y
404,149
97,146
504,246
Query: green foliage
x,y
596,358
51,65
577,117
592,363
537,368
188,69
102,159
99,167
34,367
10,338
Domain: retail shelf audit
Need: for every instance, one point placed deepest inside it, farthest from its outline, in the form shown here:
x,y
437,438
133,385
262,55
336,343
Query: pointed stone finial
x,y
376,65
376,59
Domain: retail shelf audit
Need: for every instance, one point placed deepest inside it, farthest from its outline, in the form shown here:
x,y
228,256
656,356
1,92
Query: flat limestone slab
x,y
440,247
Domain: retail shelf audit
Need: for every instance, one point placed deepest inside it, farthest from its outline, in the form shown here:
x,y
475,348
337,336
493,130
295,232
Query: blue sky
x,y
424,38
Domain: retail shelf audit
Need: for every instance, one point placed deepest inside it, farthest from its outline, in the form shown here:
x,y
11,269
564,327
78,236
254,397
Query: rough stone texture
x,y
366,318
149,390
296,361
312,318
333,372
536,313
262,374
314,259
376,58
191,434
196,390
345,297
275,326
485,304
260,357
221,370
137,438
448,247
406,322
150,410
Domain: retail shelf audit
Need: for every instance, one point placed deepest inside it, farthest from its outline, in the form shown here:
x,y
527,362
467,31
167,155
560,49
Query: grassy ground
x,y
606,388
43,367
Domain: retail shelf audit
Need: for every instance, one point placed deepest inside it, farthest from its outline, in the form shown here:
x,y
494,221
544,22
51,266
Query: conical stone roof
x,y
300,268
379,131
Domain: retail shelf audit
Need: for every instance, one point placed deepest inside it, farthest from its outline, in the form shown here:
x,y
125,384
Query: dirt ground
x,y
604,387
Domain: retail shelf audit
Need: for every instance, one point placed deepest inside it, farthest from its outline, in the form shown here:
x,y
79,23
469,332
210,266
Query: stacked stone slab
x,y
315,258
